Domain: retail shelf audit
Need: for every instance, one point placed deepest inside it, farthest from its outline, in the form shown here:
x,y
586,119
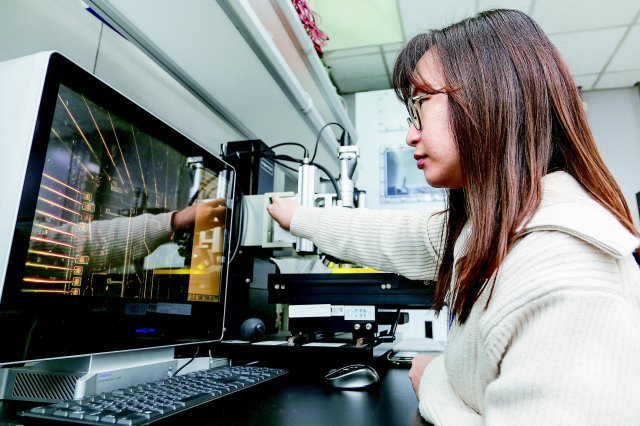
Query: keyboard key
x,y
108,419
133,419
42,410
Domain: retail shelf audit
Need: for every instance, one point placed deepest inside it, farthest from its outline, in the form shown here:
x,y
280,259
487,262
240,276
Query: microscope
x,y
318,297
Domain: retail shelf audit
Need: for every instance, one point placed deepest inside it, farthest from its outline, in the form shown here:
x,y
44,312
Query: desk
x,y
296,400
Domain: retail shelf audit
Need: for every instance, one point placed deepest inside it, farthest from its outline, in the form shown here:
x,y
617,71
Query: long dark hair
x,y
516,115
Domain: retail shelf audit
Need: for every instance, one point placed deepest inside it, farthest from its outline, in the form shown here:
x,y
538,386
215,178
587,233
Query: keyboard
x,y
150,402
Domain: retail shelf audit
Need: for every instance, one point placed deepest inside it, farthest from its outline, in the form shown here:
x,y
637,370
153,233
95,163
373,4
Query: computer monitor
x,y
89,261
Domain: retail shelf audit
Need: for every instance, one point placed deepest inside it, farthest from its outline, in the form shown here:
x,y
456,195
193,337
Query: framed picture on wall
x,y
401,180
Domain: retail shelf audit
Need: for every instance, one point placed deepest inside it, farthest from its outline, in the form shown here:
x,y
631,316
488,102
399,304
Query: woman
x,y
533,253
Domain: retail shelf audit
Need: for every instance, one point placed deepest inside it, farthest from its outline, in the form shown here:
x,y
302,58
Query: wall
x,y
614,116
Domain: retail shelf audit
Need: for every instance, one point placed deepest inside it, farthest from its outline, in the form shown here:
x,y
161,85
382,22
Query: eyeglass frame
x,y
414,111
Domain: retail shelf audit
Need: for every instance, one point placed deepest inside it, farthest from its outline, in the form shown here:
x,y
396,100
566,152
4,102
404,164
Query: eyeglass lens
x,y
414,114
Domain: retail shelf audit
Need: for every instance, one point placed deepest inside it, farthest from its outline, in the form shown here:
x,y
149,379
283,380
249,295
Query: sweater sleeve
x,y
403,242
439,403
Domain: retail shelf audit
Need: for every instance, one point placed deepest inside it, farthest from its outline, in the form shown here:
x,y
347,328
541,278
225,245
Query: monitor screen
x,y
122,233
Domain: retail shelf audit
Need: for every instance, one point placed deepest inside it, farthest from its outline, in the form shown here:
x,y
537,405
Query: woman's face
x,y
436,152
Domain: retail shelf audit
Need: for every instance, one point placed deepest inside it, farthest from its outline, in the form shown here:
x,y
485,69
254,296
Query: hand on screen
x,y
210,214
282,210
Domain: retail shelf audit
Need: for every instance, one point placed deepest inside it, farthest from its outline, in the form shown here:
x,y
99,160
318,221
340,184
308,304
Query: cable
x,y
194,198
188,362
284,158
237,154
315,149
333,180
274,158
392,330
285,166
240,231
306,153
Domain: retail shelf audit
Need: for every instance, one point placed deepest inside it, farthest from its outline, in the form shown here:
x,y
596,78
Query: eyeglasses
x,y
413,106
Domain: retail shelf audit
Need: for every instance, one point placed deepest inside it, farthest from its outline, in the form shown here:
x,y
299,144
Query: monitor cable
x,y
241,228
188,362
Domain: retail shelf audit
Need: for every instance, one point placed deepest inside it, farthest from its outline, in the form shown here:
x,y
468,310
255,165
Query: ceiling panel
x,y
357,22
585,81
392,47
612,80
419,16
592,35
588,52
577,15
628,55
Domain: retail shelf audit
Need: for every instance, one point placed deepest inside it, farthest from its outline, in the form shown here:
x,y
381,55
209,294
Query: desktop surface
x,y
299,398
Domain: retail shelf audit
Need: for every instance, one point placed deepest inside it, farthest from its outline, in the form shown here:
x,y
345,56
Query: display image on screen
x,y
102,223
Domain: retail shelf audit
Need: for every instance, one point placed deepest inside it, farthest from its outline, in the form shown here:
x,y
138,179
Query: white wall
x,y
614,116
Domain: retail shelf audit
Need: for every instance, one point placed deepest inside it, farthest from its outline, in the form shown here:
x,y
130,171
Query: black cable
x,y
266,150
285,166
392,331
315,149
304,148
237,154
333,180
240,231
275,156
188,362
194,198
284,158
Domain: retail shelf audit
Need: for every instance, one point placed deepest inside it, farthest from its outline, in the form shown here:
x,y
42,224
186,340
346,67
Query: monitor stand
x,y
78,377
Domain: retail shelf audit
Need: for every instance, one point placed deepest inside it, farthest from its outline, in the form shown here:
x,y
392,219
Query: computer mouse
x,y
354,376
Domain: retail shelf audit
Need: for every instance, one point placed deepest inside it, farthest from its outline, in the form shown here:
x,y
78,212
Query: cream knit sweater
x,y
559,343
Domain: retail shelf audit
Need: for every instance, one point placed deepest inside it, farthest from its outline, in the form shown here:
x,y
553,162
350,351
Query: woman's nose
x,y
413,136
